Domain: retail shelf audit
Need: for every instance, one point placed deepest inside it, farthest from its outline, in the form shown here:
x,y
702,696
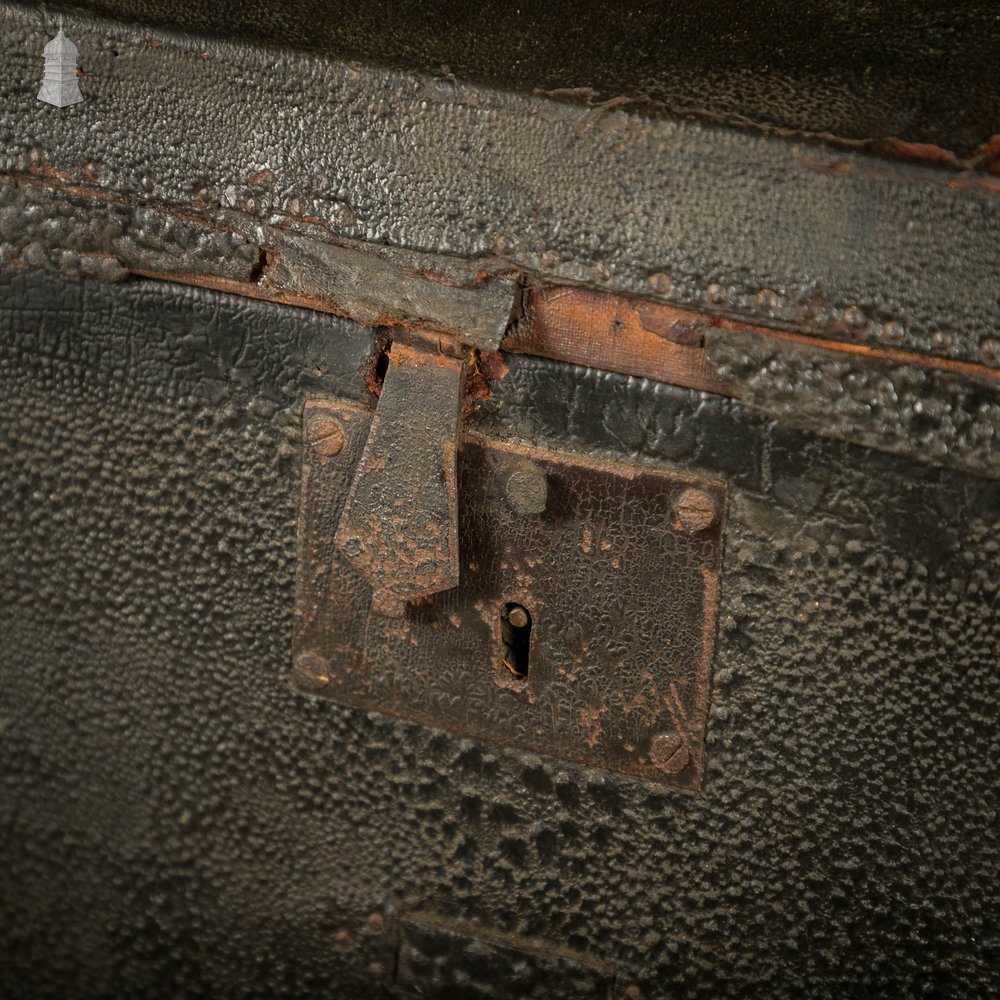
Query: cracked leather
x,y
176,820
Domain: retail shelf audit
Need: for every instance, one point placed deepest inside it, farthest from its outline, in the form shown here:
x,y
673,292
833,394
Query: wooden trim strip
x,y
661,342
616,334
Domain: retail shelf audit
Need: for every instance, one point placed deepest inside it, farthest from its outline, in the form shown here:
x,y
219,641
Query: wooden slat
x,y
661,342
616,334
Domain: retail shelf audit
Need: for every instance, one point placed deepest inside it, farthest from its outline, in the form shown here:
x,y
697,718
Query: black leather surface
x,y
175,821
921,72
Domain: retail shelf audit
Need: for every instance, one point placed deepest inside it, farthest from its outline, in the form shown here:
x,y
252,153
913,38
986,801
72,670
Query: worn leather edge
x,y
837,244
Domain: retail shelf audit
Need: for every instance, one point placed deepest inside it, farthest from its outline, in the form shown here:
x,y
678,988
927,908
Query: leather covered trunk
x,y
500,503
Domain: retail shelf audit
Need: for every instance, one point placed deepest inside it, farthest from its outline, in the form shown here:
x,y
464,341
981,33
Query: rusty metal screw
x,y
669,752
310,671
695,510
327,436
527,489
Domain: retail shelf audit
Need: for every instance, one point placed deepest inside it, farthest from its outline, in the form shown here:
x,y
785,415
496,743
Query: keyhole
x,y
515,635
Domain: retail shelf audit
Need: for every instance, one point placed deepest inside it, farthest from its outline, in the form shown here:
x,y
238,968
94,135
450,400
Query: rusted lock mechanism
x,y
558,602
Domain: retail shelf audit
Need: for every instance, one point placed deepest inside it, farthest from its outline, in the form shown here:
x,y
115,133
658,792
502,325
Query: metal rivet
x,y
855,316
527,489
768,300
660,283
989,349
716,294
669,752
695,510
893,332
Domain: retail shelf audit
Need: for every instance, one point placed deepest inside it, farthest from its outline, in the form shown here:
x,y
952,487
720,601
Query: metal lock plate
x,y
582,623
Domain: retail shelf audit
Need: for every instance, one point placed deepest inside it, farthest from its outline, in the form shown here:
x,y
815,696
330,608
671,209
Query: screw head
x,y
527,489
695,511
326,435
310,672
669,752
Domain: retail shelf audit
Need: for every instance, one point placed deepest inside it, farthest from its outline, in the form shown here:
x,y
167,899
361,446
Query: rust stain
x,y
52,172
568,706
260,175
922,152
987,156
374,370
484,368
981,182
828,167
590,720
975,169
